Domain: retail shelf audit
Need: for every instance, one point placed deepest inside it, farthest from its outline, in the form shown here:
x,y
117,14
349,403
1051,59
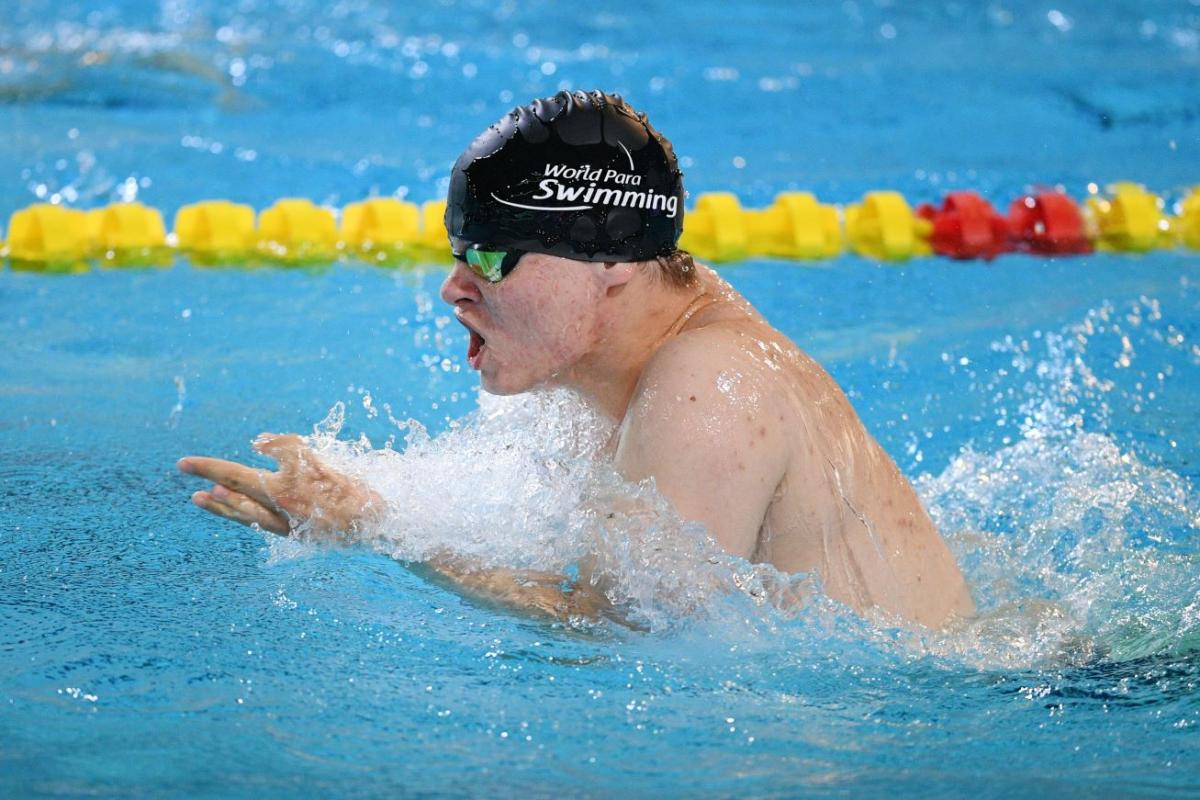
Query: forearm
x,y
542,593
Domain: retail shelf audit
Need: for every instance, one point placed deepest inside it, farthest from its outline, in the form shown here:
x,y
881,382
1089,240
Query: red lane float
x,y
1048,223
966,226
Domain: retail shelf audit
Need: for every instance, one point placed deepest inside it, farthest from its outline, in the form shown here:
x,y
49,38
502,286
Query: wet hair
x,y
677,269
580,175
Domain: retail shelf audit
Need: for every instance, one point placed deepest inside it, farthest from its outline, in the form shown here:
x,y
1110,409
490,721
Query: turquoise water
x,y
1045,409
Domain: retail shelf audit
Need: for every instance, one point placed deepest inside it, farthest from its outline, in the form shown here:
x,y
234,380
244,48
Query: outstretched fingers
x,y
231,505
254,483
303,489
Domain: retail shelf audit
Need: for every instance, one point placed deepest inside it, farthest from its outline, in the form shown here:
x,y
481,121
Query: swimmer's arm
x,y
304,491
704,423
541,593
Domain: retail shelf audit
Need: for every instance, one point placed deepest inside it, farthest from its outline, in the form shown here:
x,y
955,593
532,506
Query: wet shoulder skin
x,y
746,434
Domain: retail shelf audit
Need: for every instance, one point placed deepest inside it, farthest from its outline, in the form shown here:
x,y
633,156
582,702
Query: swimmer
x,y
563,218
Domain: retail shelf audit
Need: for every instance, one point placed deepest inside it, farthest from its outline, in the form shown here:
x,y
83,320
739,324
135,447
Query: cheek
x,y
565,327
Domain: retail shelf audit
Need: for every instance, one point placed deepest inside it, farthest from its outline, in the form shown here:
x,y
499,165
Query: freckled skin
x,y
817,495
533,327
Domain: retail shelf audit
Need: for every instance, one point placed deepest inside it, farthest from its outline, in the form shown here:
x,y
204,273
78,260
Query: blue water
x,y
1045,409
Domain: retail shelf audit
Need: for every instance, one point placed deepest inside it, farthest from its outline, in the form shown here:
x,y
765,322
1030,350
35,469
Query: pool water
x,y
1045,409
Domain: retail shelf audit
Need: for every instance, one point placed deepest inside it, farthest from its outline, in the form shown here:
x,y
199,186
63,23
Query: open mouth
x,y
475,348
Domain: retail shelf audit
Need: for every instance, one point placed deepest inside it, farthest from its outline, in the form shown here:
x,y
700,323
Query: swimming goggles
x,y
491,265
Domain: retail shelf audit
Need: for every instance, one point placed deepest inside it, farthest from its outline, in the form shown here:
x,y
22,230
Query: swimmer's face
x,y
531,327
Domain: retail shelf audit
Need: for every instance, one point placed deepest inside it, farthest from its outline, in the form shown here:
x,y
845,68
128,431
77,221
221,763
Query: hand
x,y
303,490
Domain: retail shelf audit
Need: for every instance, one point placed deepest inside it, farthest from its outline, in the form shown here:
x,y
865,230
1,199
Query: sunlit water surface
x,y
1045,410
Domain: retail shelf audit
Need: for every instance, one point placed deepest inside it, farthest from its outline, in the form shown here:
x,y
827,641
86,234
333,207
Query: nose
x,y
460,285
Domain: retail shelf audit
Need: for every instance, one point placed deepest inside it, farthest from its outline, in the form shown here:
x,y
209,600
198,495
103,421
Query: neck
x,y
641,316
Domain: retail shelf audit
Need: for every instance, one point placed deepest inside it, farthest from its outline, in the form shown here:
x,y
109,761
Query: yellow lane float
x,y
1188,222
215,231
297,231
795,225
128,234
431,243
380,229
716,228
884,227
1131,220
50,237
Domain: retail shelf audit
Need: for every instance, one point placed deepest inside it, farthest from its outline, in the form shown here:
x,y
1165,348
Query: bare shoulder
x,y
711,388
704,422
732,361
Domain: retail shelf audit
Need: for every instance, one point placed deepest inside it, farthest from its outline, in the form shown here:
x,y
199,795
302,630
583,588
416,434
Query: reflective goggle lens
x,y
487,264
491,265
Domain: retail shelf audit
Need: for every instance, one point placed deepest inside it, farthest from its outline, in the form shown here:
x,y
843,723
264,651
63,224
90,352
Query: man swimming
x,y
563,218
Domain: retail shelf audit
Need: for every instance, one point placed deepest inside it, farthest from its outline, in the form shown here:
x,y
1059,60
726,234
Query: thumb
x,y
287,448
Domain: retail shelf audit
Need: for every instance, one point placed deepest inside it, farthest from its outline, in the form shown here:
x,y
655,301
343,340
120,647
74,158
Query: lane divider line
x,y
882,226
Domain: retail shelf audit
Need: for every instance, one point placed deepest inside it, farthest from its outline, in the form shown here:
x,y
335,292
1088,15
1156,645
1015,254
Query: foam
x,y
523,483
1075,547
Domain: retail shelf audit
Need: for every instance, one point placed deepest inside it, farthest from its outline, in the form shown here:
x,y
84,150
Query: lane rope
x,y
882,226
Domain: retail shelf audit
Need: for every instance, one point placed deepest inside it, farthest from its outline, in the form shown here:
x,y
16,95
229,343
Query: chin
x,y
508,379
493,384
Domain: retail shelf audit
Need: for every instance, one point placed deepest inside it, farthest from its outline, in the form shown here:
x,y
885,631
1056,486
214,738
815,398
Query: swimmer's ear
x,y
616,274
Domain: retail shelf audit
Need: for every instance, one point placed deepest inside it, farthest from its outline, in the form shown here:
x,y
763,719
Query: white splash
x,y
523,483
1074,546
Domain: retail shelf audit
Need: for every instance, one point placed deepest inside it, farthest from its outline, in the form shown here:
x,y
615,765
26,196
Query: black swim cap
x,y
580,175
